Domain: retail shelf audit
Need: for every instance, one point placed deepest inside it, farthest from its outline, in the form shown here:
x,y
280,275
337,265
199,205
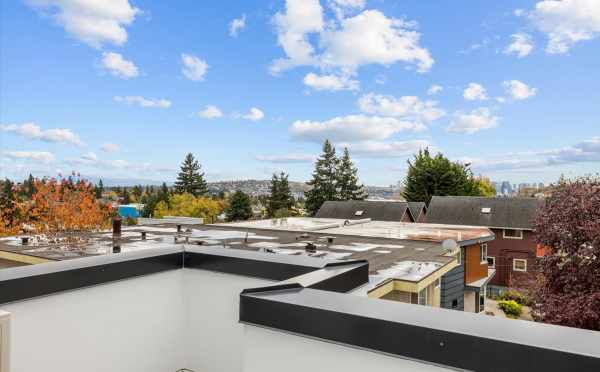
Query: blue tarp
x,y
128,211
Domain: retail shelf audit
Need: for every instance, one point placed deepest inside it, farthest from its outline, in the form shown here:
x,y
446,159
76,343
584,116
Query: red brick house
x,y
513,253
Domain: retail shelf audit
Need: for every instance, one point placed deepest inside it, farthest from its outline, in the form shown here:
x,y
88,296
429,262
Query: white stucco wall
x,y
273,351
214,338
129,325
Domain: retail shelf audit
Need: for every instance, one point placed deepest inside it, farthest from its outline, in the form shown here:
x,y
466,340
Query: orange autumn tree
x,y
63,206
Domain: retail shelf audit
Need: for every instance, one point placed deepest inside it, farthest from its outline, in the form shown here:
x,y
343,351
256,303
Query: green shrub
x,y
511,308
514,295
130,221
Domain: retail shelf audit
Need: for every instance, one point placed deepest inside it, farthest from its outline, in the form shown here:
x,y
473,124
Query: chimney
x,y
116,225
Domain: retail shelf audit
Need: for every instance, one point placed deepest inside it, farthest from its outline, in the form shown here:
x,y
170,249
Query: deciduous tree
x,y
428,176
569,283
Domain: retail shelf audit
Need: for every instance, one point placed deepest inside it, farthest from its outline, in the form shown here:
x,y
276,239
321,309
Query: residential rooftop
x,y
498,212
208,308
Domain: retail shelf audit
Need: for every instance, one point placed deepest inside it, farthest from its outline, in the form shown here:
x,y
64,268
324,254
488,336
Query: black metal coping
x,y
437,336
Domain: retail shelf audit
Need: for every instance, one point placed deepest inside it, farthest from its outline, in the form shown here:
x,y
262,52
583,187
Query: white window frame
x,y
493,266
424,290
520,260
483,253
512,237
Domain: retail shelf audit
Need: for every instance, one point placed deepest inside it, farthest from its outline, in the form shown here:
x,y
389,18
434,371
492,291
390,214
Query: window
x,y
519,264
483,253
423,296
491,262
437,283
455,303
486,210
513,234
359,213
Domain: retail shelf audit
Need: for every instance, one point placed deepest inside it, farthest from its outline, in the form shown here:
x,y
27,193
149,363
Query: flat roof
x,y
386,245
376,229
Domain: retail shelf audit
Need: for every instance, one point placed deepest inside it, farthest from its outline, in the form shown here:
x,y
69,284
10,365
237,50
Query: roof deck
x,y
202,308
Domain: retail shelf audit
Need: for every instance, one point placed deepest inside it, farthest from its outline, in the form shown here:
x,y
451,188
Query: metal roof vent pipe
x,y
24,240
143,235
311,248
116,226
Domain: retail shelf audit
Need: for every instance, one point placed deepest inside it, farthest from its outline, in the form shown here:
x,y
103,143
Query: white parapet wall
x,y
4,341
268,350
214,338
129,325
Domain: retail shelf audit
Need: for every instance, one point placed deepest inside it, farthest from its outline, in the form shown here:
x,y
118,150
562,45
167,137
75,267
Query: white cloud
x,y
519,90
210,112
566,22
521,45
434,89
342,7
395,149
254,114
519,12
475,92
583,152
118,66
348,43
90,156
143,102
110,147
476,120
330,82
301,17
371,37
95,22
33,131
35,156
351,128
237,25
287,158
409,108
193,67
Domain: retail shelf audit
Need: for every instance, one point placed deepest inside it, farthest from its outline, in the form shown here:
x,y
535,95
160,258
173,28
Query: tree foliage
x,y
189,205
568,291
190,180
428,176
349,187
9,211
240,207
280,197
324,179
65,206
485,187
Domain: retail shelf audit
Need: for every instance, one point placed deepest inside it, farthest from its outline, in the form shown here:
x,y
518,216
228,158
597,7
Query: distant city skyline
x,y
126,89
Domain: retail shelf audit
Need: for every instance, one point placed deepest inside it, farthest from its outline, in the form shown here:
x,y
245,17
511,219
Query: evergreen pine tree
x,y
240,207
99,189
163,193
29,187
347,179
324,179
281,199
8,212
189,179
126,197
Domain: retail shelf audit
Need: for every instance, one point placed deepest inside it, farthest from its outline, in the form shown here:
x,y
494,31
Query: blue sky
x,y
124,89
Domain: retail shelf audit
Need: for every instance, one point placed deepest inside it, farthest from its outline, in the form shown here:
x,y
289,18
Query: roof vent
x,y
359,213
486,210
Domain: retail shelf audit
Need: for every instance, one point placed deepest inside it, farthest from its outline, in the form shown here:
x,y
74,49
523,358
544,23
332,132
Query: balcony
x,y
202,308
